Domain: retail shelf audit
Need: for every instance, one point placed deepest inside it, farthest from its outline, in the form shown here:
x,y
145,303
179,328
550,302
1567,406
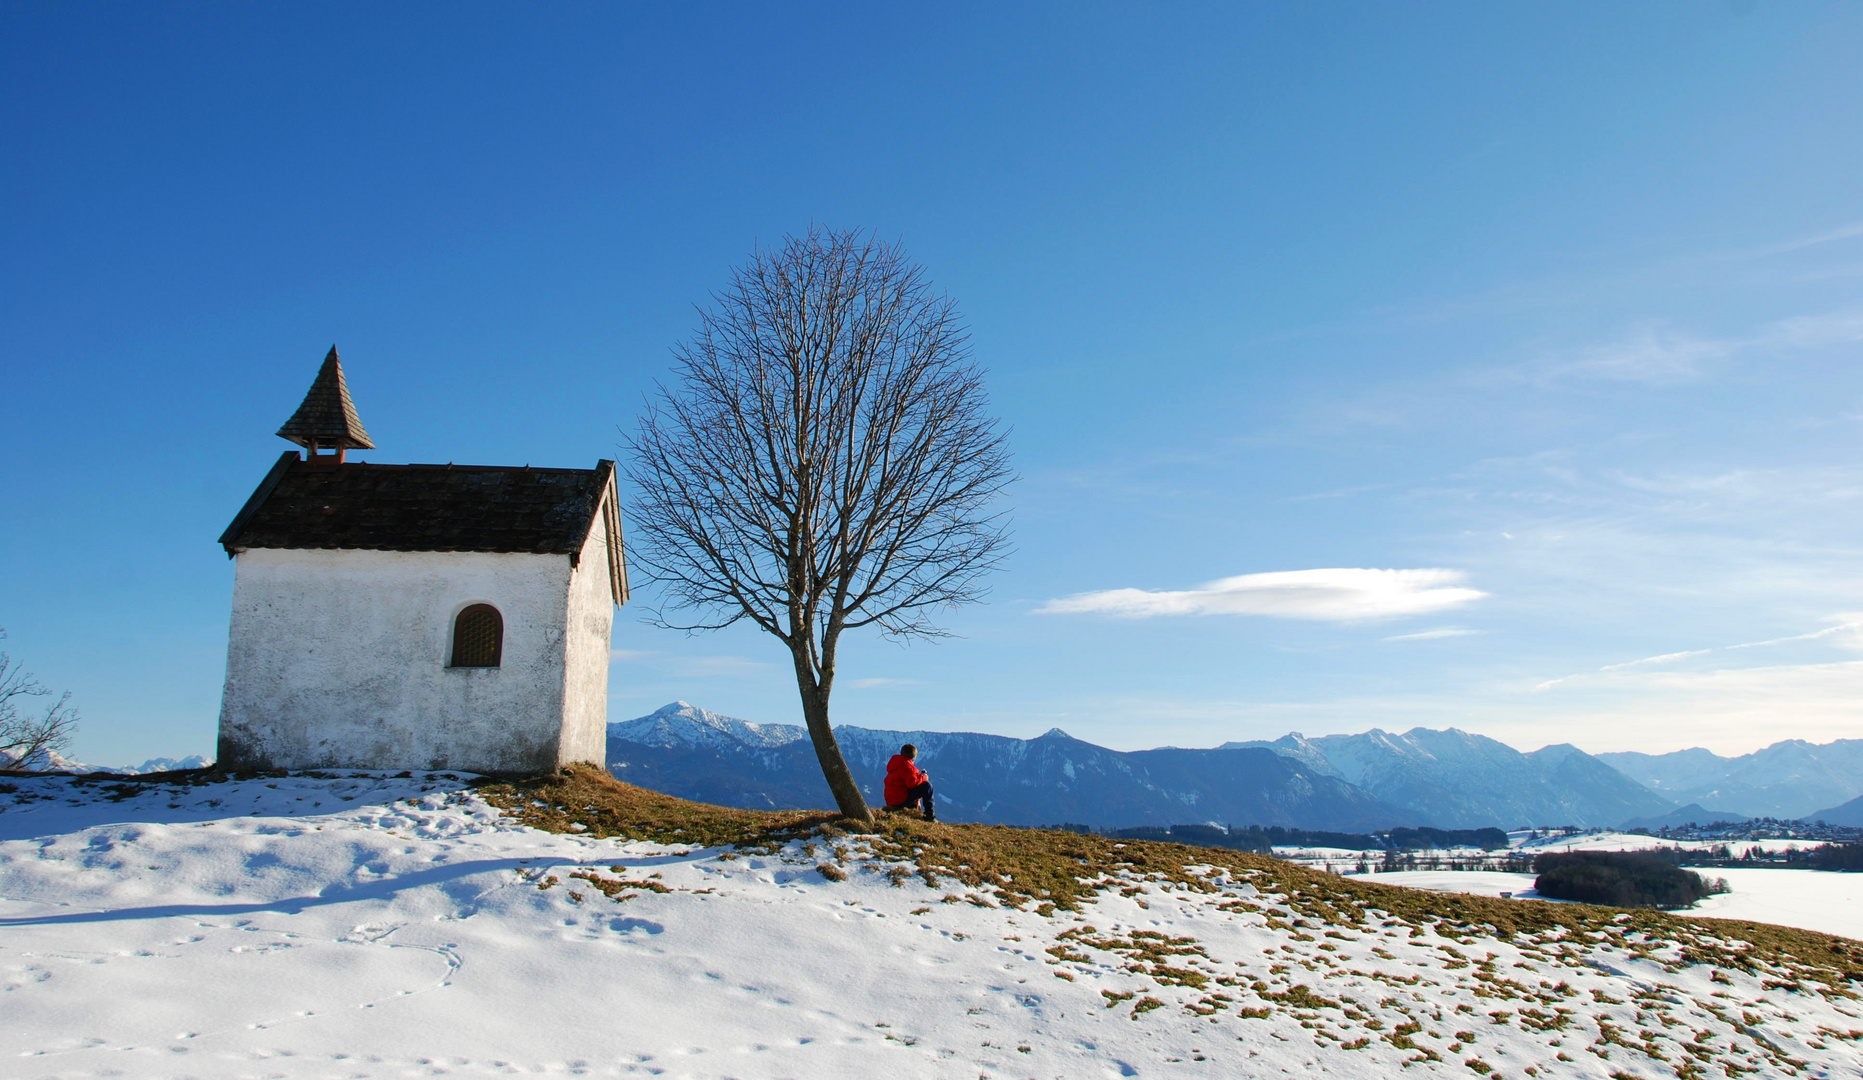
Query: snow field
x,y
369,926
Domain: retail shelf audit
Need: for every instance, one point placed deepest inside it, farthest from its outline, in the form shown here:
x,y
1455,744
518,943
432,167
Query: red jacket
x,y
901,776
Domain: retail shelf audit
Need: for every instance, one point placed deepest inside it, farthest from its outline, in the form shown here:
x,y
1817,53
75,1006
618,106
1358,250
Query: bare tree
x,y
27,740
823,463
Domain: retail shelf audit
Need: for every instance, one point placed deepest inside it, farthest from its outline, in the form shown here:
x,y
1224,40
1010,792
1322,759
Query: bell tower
x,y
327,419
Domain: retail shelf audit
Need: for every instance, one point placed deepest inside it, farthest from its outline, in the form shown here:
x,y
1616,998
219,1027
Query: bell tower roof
x,y
327,418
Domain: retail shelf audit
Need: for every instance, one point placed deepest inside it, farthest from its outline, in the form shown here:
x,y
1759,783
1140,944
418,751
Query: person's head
x,y
909,751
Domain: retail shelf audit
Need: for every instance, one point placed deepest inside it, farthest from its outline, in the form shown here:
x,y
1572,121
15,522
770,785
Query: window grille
x,y
478,637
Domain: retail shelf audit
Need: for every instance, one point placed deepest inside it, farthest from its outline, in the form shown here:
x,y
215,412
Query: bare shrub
x,y
29,737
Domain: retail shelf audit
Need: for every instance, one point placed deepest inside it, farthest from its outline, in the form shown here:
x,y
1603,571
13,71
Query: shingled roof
x,y
327,417
492,508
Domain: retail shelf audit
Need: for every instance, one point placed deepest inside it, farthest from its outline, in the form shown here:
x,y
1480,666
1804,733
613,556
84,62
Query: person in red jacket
x,y
907,787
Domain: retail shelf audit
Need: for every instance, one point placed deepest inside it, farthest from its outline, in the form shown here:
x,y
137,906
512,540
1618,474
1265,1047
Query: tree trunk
x,y
841,784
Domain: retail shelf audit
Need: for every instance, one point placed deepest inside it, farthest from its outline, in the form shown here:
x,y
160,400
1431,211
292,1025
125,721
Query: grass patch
x,y
606,807
615,888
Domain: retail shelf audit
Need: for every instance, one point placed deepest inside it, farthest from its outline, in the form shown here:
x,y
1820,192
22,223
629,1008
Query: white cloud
x,y
1432,635
1331,595
868,684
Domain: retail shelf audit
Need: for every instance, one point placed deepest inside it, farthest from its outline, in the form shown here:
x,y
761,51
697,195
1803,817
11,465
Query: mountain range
x,y
1455,780
53,761
1692,814
698,754
1849,814
1374,781
1789,779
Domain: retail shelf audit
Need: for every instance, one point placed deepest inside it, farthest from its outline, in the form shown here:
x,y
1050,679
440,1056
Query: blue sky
x,y
1555,307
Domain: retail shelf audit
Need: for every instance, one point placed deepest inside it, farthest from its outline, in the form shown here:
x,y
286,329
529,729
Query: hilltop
x,y
377,925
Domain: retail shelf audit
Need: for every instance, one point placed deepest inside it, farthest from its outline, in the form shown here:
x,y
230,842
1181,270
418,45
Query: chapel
x,y
417,616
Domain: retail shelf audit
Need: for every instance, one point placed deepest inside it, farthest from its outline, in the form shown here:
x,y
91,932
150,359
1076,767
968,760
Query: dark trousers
x,y
916,797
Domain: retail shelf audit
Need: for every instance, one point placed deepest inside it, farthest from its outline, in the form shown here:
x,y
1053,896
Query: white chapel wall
x,y
591,624
338,659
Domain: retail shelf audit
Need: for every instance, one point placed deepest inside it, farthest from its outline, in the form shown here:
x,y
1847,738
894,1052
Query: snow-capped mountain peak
x,y
53,761
685,725
168,764
1291,745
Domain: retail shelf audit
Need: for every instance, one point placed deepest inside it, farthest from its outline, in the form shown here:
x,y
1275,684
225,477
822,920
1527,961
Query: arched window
x,y
478,637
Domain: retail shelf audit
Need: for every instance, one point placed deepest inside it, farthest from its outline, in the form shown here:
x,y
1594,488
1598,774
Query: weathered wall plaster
x,y
338,659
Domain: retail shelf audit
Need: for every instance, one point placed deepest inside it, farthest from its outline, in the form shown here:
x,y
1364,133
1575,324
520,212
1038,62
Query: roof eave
x,y
608,512
259,494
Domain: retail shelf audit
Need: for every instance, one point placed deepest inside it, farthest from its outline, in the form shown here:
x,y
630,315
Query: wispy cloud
x,y
1729,710
1843,232
1331,595
1654,710
1663,659
1432,635
1651,354
1851,623
868,684
1812,331
1656,355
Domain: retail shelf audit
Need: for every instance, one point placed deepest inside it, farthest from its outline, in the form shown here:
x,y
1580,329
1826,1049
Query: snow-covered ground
x,y
371,926
1830,903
